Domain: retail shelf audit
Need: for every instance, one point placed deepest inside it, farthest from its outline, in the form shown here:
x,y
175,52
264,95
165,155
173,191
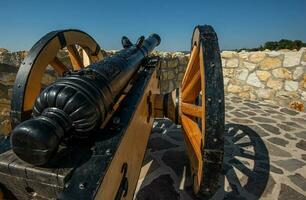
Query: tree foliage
x,y
277,45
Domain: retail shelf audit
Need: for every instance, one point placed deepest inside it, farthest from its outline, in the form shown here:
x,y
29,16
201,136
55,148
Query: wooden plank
x,y
191,109
131,151
75,57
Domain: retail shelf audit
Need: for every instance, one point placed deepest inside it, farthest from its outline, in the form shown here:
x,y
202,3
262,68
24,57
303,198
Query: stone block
x,y
228,72
254,80
298,72
257,57
282,73
243,55
263,75
234,88
303,82
229,54
243,74
232,63
287,95
304,57
265,93
7,78
250,66
226,81
292,58
245,95
171,75
275,84
303,96
291,86
223,61
173,63
270,63
5,127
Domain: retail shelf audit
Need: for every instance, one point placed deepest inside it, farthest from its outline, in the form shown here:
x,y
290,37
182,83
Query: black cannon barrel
x,y
78,103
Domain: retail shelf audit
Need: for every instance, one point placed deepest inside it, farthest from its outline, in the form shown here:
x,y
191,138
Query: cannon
x,y
84,136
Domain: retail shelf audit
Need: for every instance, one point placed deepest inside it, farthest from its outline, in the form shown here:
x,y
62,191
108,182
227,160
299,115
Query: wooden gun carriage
x,y
85,135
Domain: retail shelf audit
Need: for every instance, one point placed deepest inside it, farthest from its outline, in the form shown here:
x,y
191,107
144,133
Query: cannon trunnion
x,y
84,136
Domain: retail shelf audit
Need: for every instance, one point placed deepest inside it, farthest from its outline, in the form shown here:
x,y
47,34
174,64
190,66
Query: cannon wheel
x,y
42,54
203,122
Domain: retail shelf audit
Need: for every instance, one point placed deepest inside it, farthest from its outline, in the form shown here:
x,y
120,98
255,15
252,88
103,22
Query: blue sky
x,y
238,23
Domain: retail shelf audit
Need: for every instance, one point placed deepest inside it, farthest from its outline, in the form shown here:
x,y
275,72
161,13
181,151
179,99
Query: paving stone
x,y
276,170
175,134
250,113
276,151
290,164
270,111
259,131
301,134
271,128
161,188
278,141
280,117
288,111
153,166
301,144
252,105
176,160
157,144
298,180
263,119
293,124
288,136
269,187
242,121
238,114
287,193
269,105
229,108
304,157
285,127
299,120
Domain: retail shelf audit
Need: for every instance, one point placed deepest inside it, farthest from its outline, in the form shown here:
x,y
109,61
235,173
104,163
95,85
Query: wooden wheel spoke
x,y
75,57
58,66
192,89
86,59
192,67
193,134
192,110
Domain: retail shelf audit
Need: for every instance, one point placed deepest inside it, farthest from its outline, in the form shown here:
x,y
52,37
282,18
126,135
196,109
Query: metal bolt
x,y
212,64
116,120
82,186
219,100
215,139
209,99
108,152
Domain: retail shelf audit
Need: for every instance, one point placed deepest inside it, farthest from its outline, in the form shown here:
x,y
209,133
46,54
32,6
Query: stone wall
x,y
278,77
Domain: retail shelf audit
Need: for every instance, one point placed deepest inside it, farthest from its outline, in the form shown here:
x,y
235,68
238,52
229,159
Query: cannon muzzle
x,y
78,103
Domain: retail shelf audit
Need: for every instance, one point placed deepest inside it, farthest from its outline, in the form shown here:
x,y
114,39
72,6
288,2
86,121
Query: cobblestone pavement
x,y
265,156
